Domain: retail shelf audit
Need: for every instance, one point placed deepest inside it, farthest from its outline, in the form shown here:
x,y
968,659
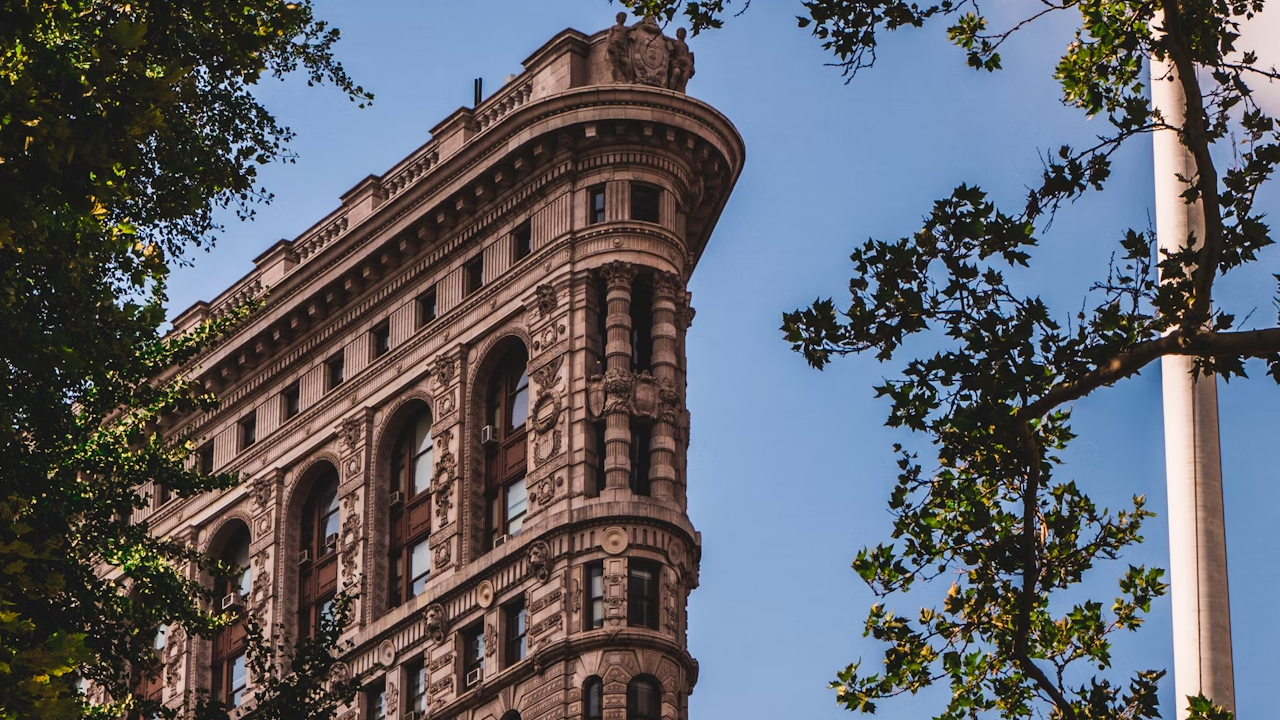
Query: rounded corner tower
x,y
464,398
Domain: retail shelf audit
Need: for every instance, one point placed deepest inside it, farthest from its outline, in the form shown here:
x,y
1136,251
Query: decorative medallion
x,y
615,540
386,657
484,594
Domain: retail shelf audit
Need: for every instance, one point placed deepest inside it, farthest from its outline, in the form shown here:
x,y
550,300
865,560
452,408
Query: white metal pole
x,y
1193,466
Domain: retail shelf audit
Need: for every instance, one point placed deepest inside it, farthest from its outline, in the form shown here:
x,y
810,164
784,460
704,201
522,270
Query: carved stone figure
x,y
540,560
434,622
618,50
650,60
681,62
547,301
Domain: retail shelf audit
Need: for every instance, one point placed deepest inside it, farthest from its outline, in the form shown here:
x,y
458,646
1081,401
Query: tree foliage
x,y
989,510
123,128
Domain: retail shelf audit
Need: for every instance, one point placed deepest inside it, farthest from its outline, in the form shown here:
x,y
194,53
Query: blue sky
x,y
789,467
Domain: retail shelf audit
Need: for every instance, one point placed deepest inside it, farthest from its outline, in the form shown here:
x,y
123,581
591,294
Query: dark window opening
x,y
521,241
473,654
640,437
644,699
412,463
516,620
602,323
642,594
474,270
426,307
375,702
318,557
204,460
504,436
593,699
380,339
230,671
248,430
416,687
335,371
595,205
641,324
601,452
291,400
644,202
594,619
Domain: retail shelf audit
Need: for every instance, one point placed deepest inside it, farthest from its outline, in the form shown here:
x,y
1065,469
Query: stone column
x,y
665,369
355,432
684,318
617,375
1193,467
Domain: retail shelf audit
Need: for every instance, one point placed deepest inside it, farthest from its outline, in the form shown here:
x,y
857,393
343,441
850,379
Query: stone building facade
x,y
464,398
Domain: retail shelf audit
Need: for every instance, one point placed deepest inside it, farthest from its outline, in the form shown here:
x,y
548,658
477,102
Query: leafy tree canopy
x,y
989,509
123,127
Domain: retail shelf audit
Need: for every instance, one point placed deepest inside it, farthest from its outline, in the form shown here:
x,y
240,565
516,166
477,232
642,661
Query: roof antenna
x,y
479,91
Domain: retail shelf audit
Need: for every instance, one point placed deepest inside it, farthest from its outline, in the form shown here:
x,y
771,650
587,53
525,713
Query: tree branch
x,y
1250,344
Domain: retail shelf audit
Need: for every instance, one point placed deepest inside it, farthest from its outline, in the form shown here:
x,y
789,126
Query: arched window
x,y
593,699
507,409
409,561
230,672
644,698
511,715
148,682
318,553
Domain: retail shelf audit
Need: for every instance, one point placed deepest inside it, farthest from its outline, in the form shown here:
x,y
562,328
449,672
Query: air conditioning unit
x,y
304,557
500,539
416,715
488,435
234,601
395,498
475,676
331,541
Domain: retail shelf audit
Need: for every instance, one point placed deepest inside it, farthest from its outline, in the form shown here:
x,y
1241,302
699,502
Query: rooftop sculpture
x,y
641,54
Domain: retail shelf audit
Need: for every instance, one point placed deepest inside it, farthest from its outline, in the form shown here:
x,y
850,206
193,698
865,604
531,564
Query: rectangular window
x,y
248,430
474,274
644,202
594,619
642,594
517,506
380,339
516,619
204,459
419,567
162,495
521,241
640,437
375,702
595,205
291,401
426,308
335,372
641,324
416,687
239,681
473,654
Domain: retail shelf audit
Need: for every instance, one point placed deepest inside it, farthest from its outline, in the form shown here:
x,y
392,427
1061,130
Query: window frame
x,y
641,438
590,711
247,430
521,241
205,459
291,401
593,615
375,701
424,318
416,680
380,339
473,275
644,607
643,187
335,365
313,596
515,633
230,643
634,711
406,455
595,215
506,461
473,651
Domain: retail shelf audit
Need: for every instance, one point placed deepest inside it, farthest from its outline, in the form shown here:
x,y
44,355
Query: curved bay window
x,y
230,676
644,699
506,413
318,553
409,561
